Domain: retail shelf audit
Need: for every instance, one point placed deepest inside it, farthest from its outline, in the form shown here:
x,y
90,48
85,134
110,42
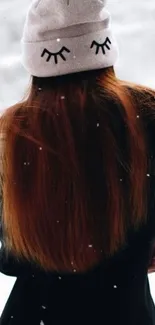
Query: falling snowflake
x,y
42,323
27,163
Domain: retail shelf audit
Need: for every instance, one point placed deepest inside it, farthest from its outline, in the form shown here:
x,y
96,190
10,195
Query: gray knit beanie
x,y
67,36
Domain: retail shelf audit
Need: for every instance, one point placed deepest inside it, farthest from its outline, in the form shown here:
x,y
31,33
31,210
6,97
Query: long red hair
x,y
74,166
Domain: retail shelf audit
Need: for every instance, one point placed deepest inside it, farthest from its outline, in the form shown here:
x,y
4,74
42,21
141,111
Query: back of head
x,y
74,161
67,36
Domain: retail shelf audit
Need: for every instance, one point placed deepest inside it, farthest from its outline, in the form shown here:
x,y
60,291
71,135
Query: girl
x,y
77,177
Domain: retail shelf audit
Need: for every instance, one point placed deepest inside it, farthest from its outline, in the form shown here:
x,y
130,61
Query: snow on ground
x,y
134,26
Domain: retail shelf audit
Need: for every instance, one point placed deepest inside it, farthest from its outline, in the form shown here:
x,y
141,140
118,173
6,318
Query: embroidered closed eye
x,y
55,55
101,46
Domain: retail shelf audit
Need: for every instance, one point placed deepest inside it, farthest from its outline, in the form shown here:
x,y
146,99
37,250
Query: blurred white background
x,y
134,26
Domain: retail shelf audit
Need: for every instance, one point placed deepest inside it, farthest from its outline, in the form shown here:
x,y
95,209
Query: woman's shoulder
x,y
145,95
144,98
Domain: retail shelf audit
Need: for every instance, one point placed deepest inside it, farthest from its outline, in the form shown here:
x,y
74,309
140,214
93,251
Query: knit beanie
x,y
67,36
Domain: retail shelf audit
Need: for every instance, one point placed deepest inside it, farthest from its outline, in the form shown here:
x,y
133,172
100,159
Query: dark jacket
x,y
114,292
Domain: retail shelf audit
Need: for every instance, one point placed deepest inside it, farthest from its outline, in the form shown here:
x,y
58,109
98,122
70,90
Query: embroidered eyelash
x,y
98,46
55,55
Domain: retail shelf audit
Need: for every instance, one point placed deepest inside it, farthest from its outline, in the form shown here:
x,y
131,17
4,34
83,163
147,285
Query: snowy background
x,y
134,26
